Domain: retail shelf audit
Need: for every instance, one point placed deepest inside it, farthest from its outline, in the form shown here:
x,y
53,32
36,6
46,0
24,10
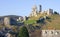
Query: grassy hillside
x,y
52,22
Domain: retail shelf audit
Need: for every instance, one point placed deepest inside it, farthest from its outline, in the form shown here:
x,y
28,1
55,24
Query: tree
x,y
56,12
23,32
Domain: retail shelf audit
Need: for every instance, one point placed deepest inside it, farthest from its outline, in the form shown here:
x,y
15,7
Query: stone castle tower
x,y
40,9
34,11
49,11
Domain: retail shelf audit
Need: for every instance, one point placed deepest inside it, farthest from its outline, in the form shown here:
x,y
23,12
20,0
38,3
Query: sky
x,y
24,7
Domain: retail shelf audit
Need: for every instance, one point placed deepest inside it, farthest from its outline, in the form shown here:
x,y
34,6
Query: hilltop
x,y
44,22
39,19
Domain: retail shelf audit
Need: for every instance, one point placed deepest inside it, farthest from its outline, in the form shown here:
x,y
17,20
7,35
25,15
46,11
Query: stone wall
x,y
6,20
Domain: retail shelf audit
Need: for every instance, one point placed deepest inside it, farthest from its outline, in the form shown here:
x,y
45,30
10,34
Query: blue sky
x,y
23,7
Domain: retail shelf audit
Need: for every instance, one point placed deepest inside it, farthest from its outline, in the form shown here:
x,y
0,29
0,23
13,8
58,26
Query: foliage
x,y
48,19
41,20
31,27
23,32
56,12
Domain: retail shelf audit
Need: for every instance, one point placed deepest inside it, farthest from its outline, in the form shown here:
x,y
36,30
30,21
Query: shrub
x,y
23,32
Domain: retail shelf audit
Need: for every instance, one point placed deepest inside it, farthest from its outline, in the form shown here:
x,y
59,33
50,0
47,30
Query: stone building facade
x,y
50,33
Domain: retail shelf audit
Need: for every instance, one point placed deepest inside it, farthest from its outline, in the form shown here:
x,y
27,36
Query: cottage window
x,y
51,32
45,32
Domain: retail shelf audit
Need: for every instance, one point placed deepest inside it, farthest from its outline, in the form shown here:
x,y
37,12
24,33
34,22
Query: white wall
x,y
50,33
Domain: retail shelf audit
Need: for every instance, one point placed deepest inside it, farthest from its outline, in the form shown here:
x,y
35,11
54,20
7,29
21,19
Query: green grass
x,y
30,21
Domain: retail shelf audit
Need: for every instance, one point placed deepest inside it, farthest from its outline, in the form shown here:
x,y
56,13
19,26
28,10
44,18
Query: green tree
x,y
23,32
56,12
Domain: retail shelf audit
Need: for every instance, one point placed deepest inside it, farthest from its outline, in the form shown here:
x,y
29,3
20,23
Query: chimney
x,y
40,9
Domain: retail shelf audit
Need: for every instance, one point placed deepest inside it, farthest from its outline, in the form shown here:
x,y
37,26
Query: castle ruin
x,y
35,12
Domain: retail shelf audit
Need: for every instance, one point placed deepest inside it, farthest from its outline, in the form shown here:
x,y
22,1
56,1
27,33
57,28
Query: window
x,y
51,32
45,32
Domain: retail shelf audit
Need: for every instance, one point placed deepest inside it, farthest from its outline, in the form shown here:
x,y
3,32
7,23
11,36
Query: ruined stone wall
x,y
7,21
49,11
